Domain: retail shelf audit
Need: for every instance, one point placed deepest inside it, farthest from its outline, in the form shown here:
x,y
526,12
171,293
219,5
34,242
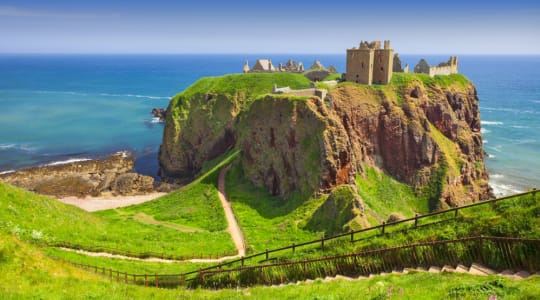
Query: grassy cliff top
x,y
250,84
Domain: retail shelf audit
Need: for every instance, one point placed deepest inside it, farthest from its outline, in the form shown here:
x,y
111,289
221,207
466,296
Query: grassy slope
x,y
268,221
38,276
53,221
383,195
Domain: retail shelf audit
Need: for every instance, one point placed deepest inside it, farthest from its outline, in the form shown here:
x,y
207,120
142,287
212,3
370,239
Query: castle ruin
x,y
444,68
369,63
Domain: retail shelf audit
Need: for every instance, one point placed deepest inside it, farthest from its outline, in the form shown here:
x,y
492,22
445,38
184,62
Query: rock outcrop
x,y
92,177
421,131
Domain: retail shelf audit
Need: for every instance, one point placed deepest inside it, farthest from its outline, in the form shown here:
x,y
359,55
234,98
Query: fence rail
x,y
498,253
351,235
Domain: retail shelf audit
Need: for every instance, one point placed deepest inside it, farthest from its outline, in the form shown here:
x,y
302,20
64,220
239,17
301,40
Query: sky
x,y
277,26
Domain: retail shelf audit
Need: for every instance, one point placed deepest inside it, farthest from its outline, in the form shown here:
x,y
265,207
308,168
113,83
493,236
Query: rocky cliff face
x,y
113,174
419,130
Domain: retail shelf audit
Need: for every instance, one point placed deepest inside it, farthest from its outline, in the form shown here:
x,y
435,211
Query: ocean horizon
x,y
58,107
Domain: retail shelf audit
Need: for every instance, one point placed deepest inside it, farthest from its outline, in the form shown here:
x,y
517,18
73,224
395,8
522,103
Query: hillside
x,y
421,131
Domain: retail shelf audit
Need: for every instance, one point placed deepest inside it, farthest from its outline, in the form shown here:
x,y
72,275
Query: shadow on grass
x,y
266,205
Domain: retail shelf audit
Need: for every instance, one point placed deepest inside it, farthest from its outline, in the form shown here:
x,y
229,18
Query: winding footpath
x,y
232,225
233,229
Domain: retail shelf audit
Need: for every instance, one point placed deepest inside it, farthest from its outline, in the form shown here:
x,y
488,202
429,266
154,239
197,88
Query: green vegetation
x,y
170,233
336,214
333,76
384,195
269,221
29,274
407,79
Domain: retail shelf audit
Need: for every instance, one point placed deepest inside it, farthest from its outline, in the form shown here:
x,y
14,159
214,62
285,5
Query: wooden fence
x,y
414,221
498,253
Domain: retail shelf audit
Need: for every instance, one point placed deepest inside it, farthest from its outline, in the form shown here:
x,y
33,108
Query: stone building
x,y
369,63
263,65
444,68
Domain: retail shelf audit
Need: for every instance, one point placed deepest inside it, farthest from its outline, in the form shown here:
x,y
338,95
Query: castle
x,y
370,64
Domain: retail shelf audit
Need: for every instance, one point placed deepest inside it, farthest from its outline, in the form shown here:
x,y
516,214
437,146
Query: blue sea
x,y
57,108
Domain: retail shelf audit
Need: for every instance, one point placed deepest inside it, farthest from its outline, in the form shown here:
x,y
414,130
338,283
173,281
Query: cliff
x,y
422,131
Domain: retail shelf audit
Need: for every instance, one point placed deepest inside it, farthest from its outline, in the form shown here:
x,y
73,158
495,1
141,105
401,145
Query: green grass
x,y
268,221
29,274
184,224
124,265
384,195
405,79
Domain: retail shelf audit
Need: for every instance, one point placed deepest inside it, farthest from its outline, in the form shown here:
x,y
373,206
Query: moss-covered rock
x,y
342,207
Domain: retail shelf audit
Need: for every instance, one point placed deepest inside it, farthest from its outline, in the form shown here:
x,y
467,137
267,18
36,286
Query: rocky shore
x,y
112,175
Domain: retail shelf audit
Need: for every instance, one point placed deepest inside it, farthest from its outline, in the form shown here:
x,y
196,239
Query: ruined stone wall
x,y
360,65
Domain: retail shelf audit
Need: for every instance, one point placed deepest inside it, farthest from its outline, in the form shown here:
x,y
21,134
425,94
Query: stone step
x,y
462,269
434,269
344,277
508,273
478,269
522,274
448,268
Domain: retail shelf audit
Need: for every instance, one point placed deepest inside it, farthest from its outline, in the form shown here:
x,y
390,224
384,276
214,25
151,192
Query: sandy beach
x,y
108,202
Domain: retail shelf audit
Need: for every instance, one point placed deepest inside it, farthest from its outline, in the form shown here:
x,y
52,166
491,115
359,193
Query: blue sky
x,y
161,26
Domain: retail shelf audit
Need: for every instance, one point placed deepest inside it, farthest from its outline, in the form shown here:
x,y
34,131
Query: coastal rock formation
x,y
159,113
93,177
420,131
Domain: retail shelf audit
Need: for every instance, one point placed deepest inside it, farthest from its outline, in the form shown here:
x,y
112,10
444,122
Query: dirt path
x,y
232,228
101,203
108,202
149,259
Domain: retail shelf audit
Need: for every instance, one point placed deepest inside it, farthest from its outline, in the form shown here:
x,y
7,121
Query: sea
x,y
63,108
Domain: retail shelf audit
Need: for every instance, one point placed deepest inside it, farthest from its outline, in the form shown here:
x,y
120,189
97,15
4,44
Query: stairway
x,y
474,269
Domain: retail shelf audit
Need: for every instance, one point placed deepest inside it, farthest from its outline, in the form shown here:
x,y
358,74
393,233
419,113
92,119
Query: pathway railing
x,y
498,253
415,221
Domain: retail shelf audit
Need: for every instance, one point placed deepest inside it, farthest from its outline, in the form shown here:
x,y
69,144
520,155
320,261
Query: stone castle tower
x,y
369,63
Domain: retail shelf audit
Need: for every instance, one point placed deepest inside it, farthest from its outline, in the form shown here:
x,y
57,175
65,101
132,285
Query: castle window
x,y
362,65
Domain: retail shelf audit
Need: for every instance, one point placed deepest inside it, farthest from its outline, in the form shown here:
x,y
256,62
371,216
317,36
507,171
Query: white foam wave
x,y
7,172
68,161
496,176
491,123
512,110
501,189
102,94
520,126
491,156
483,130
497,148
484,141
16,146
134,95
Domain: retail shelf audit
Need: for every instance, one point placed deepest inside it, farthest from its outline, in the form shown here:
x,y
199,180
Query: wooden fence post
x,y
145,280
293,246
456,212
156,280
110,274
117,276
242,261
415,220
352,236
126,277
383,225
266,253
322,243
